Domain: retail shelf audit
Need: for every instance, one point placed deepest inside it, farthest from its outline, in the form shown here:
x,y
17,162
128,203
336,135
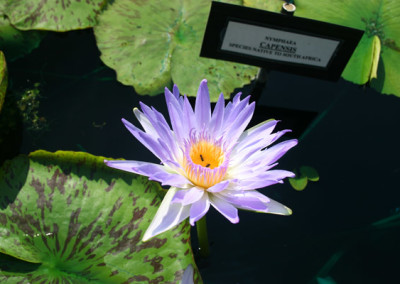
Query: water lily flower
x,y
207,158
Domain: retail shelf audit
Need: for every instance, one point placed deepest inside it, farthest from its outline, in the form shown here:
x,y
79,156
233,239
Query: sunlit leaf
x,y
376,47
269,5
3,79
299,182
305,174
53,15
82,222
151,44
377,18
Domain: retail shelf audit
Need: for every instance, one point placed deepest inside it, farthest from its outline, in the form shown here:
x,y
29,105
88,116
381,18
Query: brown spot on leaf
x,y
173,255
155,262
110,187
138,213
69,201
154,201
153,243
3,219
91,256
73,228
58,181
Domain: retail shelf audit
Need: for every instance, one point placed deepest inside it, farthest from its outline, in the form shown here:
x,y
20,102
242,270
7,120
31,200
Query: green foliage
x,y
3,79
151,44
15,43
270,5
67,218
379,19
305,174
53,15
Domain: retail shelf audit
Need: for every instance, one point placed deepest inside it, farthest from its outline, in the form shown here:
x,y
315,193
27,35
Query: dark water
x,y
354,147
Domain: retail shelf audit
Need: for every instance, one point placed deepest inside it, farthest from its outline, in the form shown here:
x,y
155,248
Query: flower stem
x,y
202,236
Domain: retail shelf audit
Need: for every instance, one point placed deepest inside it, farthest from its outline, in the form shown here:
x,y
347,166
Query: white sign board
x,y
278,45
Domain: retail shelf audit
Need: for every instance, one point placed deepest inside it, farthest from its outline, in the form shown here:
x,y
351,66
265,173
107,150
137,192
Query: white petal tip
x,y
285,211
146,237
277,208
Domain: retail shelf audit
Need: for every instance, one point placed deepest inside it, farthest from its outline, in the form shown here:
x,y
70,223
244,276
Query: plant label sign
x,y
276,41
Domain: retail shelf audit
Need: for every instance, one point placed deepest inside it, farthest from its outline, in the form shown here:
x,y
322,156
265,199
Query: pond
x,y
348,133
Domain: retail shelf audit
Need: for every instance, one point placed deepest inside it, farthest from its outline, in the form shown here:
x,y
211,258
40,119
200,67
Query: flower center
x,y
206,154
205,162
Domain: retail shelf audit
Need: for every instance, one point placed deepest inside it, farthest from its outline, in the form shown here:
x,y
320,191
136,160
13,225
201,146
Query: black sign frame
x,y
221,14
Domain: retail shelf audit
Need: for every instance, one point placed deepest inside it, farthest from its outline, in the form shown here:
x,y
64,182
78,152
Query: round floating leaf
x,y
15,43
151,44
53,15
3,79
309,172
377,18
82,222
210,69
299,182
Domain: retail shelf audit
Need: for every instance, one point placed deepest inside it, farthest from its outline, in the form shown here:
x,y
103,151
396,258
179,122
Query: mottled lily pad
x,y
151,44
15,43
3,79
63,15
379,19
82,222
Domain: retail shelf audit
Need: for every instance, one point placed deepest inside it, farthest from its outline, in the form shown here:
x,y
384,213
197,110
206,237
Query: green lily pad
x,y
210,69
15,43
53,15
3,79
378,18
299,182
307,173
82,222
270,5
151,44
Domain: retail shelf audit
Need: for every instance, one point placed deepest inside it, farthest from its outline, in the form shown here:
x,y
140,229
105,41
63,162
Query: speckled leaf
x,y
82,222
15,43
63,15
3,78
151,44
376,17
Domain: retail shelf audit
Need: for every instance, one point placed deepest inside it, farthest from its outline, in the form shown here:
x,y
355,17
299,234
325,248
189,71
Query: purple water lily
x,y
207,158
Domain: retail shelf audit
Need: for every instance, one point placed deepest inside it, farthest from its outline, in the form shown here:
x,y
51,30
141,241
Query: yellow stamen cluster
x,y
203,169
205,154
